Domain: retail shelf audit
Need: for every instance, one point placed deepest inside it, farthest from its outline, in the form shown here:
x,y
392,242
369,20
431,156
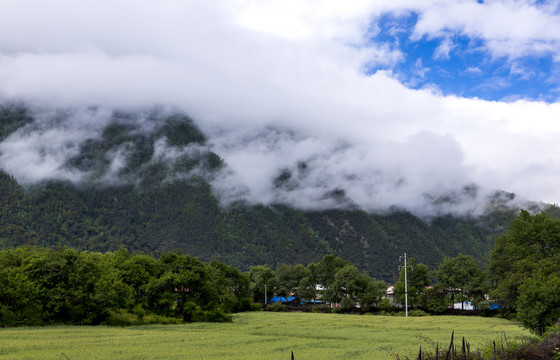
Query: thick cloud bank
x,y
284,92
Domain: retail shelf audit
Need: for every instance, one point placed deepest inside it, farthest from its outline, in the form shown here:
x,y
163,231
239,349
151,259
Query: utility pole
x,y
405,284
265,294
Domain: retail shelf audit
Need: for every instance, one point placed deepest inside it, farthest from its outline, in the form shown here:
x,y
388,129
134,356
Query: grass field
x,y
257,335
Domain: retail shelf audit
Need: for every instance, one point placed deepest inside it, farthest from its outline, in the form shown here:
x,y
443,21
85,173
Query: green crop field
x,y
257,335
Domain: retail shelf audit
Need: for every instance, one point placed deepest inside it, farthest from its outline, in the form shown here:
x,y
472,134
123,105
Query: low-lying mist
x,y
255,164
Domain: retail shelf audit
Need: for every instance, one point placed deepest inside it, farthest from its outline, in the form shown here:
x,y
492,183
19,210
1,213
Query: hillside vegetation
x,y
156,203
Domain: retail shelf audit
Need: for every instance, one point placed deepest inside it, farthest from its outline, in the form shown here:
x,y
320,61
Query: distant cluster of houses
x,y
389,293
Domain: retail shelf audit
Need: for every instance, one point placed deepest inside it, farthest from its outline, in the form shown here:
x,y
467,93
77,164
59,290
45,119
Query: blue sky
x,y
395,102
461,65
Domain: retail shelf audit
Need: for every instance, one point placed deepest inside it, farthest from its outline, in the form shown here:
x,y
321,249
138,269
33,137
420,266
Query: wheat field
x,y
257,335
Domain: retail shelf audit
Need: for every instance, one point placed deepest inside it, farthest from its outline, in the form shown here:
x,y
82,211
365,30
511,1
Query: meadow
x,y
257,335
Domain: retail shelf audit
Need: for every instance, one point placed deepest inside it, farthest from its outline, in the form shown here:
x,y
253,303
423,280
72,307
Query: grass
x,y
257,335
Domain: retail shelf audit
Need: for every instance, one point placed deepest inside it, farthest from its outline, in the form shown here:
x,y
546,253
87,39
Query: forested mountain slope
x,y
159,199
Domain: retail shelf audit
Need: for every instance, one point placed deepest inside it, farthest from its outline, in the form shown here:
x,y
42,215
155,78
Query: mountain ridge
x,y
148,188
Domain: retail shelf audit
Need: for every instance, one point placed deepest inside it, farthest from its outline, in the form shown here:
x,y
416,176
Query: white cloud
x,y
443,50
473,70
510,28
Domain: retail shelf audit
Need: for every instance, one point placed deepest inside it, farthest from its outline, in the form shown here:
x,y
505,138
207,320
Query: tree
x,y
231,285
19,299
530,239
374,293
324,273
306,289
461,277
538,300
183,288
433,299
417,280
136,271
538,305
325,270
259,276
289,278
350,287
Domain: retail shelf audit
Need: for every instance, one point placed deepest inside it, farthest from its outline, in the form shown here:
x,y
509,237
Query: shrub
x,y
336,310
277,307
417,313
121,318
216,315
244,304
191,312
125,318
385,305
139,311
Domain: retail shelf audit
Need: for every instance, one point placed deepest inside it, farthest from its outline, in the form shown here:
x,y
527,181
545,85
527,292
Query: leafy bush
x,y
277,307
321,309
336,310
417,313
385,305
244,304
192,312
121,318
124,318
217,315
139,312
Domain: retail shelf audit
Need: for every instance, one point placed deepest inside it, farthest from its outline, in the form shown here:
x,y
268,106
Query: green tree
x,y
373,295
231,284
136,271
259,276
417,281
307,289
433,299
324,273
183,288
462,279
350,288
538,304
291,280
325,270
530,239
19,299
54,274
538,300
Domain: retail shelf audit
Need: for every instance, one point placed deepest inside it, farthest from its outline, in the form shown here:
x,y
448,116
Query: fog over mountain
x,y
268,165
305,110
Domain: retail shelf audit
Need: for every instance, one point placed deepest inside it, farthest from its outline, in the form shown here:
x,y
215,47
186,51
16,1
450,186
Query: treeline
x,y
62,285
332,281
50,286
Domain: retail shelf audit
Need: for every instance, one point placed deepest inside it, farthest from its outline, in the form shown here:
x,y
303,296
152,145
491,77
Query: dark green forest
x,y
159,206
62,286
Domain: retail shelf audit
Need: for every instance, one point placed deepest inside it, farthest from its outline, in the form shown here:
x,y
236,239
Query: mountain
x,y
146,185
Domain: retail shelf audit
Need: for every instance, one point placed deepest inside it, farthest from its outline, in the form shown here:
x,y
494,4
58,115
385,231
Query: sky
x,y
398,103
